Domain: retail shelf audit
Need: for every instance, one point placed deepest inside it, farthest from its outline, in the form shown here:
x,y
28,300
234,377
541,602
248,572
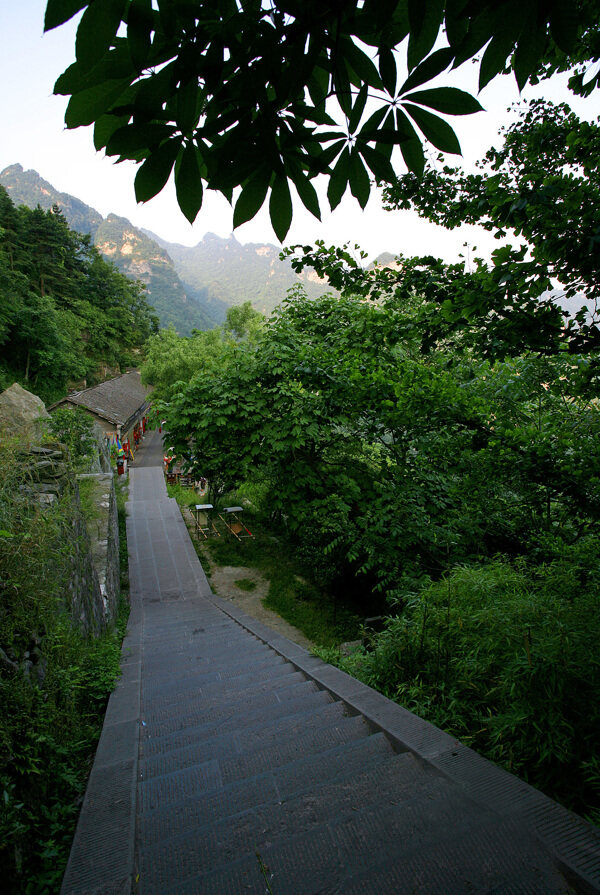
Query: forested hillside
x,y
135,254
189,287
66,314
141,258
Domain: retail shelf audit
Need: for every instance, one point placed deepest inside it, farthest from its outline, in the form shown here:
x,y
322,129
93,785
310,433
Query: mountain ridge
x,y
189,287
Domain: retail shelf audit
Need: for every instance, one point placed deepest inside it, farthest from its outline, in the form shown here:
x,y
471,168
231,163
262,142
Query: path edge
x,y
101,861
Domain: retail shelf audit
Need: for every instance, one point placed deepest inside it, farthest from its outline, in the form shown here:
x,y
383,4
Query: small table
x,y
202,520
234,524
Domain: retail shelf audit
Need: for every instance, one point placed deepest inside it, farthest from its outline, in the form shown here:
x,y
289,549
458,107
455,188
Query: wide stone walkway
x,y
232,761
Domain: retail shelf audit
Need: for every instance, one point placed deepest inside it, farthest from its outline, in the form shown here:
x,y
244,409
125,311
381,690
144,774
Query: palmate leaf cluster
x,y
262,96
64,311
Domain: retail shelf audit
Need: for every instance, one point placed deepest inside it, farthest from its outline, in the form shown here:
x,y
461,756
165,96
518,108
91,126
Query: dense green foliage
x,y
54,682
242,94
393,461
64,311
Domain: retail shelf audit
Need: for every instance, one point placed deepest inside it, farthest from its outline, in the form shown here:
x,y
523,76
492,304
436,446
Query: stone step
x,y
432,841
220,693
201,667
161,664
254,761
234,713
212,681
206,663
306,699
163,816
257,735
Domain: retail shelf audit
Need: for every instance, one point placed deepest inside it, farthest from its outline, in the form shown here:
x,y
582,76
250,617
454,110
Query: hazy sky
x,y
33,134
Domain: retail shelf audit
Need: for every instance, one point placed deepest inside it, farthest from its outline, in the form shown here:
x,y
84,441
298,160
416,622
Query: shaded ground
x,y
223,583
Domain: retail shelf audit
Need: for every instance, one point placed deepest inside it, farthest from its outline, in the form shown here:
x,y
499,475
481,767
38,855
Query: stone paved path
x,y
232,761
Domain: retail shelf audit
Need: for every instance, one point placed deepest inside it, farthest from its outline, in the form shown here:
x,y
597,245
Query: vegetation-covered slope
x,y
134,253
141,258
65,312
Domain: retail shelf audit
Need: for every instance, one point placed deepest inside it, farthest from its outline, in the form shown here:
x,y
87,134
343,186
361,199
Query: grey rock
x,y
20,409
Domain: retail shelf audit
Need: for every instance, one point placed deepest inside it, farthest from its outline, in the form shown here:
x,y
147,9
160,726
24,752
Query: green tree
x,y
242,321
542,186
64,311
259,96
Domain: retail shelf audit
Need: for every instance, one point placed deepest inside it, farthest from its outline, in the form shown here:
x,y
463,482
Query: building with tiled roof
x,y
117,405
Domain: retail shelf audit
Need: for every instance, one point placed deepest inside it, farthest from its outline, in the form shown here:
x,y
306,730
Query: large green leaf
x,y
318,85
186,104
413,155
563,25
387,69
362,65
115,65
528,54
360,185
358,108
378,162
339,179
435,129
128,141
372,125
449,100
306,190
428,69
410,144
87,105
251,198
188,182
280,206
105,127
425,22
494,59
323,160
97,30
60,11
156,170
139,30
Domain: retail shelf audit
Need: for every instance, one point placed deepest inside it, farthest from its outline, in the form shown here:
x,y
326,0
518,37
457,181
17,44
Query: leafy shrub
x,y
75,429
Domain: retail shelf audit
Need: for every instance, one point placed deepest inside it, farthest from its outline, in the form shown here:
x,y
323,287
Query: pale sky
x,y
33,135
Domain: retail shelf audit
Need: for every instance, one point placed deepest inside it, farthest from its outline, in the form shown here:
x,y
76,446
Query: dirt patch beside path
x,y
222,581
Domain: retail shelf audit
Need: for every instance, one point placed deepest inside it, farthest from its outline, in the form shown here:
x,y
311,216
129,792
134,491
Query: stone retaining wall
x,y
95,579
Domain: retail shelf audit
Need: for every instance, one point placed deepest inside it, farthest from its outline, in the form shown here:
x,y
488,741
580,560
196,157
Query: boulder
x,y
20,409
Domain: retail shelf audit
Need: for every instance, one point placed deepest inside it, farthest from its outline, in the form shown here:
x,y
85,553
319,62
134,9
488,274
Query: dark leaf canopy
x,y
252,95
